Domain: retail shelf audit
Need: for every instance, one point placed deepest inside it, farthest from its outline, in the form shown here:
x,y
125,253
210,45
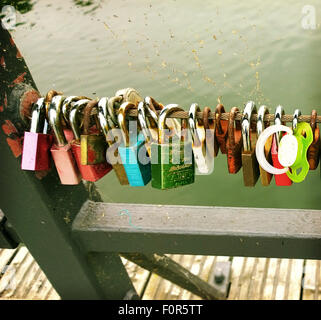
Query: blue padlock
x,y
133,151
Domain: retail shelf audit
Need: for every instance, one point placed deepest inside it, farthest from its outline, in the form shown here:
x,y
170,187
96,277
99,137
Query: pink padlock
x,y
36,145
61,152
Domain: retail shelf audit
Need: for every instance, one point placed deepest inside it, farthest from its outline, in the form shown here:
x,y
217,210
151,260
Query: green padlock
x,y
172,161
293,152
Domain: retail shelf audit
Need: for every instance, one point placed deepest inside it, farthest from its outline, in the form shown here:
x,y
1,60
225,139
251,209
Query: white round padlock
x,y
259,149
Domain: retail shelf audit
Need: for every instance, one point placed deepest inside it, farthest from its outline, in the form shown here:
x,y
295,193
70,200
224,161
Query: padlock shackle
x,y
231,128
313,121
148,106
66,106
195,126
166,111
218,111
296,115
38,116
121,96
111,108
124,108
87,113
74,117
249,109
261,124
50,94
279,112
54,117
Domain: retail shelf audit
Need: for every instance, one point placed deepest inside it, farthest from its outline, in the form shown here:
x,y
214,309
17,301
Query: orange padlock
x,y
234,143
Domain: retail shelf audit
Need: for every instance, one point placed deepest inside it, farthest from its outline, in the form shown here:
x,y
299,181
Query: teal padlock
x,y
293,152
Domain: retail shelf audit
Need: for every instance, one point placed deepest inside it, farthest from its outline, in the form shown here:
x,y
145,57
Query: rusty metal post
x,y
40,209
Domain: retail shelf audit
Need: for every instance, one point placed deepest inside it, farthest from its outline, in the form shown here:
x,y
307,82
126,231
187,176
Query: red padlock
x,y
61,152
280,179
92,172
36,145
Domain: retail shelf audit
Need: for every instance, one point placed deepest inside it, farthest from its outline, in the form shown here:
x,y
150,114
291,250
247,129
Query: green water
x,y
183,52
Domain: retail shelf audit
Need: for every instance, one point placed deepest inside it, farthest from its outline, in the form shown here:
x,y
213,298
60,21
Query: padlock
x,y
50,94
36,145
314,149
61,152
172,162
93,145
106,127
65,109
89,172
250,165
266,177
221,130
293,148
234,143
210,128
280,179
121,96
132,150
203,158
149,123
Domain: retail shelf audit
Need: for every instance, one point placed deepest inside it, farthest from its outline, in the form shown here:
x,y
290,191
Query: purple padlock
x,y
36,145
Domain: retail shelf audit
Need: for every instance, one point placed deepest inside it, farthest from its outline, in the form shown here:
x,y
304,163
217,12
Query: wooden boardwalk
x,y
251,278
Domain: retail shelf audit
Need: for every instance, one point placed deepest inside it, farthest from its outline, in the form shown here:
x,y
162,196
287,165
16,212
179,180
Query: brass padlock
x,y
93,144
250,165
314,149
221,129
210,128
266,177
234,143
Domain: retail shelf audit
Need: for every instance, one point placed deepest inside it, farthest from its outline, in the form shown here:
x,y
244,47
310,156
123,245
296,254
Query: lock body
x,y
166,172
35,154
93,149
250,166
266,177
66,166
251,171
234,153
280,179
89,172
136,163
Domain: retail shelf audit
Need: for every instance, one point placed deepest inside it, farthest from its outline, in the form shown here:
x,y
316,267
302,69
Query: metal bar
x,y
174,272
39,207
251,232
225,116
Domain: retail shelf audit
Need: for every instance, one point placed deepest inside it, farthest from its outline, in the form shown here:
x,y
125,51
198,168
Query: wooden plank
x,y
12,276
237,267
5,256
245,278
253,232
35,292
257,279
295,280
268,289
311,284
